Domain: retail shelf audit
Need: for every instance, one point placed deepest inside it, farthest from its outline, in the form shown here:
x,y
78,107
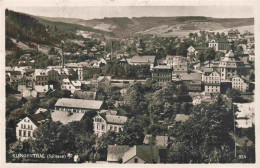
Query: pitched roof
x,y
181,118
191,76
114,119
100,78
41,110
161,141
79,103
245,110
66,80
243,141
110,112
43,89
40,72
162,67
201,48
114,152
85,94
220,40
37,118
64,118
149,154
143,59
123,60
76,83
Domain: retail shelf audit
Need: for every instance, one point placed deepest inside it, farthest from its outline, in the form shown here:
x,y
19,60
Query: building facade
x,y
72,86
229,66
240,84
26,127
103,123
219,45
162,74
178,63
212,82
41,77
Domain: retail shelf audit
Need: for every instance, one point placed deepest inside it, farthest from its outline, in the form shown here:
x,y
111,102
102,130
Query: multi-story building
x,y
229,66
212,82
107,122
178,63
192,81
219,45
25,128
57,74
41,77
191,51
72,86
240,84
78,105
162,73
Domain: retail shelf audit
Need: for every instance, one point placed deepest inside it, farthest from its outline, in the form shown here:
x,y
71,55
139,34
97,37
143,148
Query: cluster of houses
x,y
203,81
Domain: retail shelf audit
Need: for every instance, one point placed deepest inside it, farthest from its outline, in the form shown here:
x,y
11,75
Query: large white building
x,y
212,82
240,84
178,63
107,122
70,85
25,128
229,66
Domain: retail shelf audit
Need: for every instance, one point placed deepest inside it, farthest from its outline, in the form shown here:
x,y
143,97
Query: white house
x,y
25,128
191,51
212,82
72,86
240,84
107,122
178,63
102,61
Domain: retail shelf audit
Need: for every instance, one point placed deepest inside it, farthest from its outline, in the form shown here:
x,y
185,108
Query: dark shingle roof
x,y
115,152
149,154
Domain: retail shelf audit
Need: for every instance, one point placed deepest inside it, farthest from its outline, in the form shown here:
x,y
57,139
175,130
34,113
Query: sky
x,y
91,12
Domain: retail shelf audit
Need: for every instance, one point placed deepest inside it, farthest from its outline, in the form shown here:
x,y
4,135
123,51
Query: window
x,y
111,128
24,133
115,128
20,132
24,120
136,160
28,126
103,127
21,125
29,133
98,126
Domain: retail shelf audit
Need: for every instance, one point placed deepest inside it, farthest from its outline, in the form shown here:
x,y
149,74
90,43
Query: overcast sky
x,y
91,12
